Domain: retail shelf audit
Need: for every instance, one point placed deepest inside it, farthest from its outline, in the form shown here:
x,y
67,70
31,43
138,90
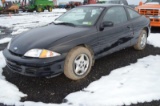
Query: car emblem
x,y
15,48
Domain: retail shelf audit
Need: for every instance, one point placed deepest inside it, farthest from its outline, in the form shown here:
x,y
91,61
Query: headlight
x,y
9,45
41,53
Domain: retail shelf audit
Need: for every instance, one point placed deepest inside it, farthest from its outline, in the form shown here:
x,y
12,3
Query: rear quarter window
x,y
132,13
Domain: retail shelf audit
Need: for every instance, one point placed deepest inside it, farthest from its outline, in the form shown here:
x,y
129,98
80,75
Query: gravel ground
x,y
55,89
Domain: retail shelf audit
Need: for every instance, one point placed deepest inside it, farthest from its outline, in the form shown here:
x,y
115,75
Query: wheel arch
x,y
147,30
90,49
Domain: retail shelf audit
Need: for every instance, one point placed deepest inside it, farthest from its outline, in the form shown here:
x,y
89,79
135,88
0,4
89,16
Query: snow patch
x,y
26,21
131,84
29,103
153,39
9,93
2,65
19,31
4,40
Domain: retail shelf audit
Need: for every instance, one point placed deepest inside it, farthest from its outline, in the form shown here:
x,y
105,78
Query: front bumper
x,y
33,66
154,21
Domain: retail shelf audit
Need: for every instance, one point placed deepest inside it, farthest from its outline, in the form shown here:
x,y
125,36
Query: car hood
x,y
42,37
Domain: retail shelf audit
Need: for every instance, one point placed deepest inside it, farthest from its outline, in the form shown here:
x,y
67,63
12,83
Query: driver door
x,y
117,36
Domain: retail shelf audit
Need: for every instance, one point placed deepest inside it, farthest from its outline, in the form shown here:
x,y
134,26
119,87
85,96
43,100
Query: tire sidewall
x,y
69,63
140,38
137,46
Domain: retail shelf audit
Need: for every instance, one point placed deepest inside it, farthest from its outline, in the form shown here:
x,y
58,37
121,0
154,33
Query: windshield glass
x,y
157,1
82,16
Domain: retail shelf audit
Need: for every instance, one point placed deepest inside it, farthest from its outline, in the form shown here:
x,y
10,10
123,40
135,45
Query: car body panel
x,y
46,37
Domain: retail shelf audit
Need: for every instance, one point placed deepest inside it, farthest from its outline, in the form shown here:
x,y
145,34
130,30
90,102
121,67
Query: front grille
x,y
31,71
14,66
154,20
149,12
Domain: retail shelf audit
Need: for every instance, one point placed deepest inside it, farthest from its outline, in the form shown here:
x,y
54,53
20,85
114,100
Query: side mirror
x,y
106,24
140,3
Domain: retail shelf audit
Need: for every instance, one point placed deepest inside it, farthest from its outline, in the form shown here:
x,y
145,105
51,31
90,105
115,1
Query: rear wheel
x,y
30,10
78,63
24,10
142,41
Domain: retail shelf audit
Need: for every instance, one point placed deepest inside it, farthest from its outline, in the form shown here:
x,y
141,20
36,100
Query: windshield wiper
x,y
65,23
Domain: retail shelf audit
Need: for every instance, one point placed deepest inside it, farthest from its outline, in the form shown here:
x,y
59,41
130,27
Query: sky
x,y
135,1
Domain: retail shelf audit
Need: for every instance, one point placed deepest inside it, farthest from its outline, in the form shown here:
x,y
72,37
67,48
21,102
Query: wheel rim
x,y
143,40
81,64
39,9
50,9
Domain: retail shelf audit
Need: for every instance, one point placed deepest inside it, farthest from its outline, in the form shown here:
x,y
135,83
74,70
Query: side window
x,y
132,13
116,15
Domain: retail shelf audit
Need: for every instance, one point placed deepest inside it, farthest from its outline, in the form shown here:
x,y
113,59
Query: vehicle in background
x,y
123,2
9,6
151,9
72,3
38,5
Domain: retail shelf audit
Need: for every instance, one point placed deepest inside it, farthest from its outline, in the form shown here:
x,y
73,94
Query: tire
x,y
50,9
80,59
142,41
39,9
16,11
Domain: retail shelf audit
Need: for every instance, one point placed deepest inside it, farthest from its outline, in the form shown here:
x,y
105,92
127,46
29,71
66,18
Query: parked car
x,y
73,42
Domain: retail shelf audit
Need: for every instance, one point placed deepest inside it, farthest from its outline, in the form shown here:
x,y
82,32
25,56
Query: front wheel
x,y
142,41
78,63
39,9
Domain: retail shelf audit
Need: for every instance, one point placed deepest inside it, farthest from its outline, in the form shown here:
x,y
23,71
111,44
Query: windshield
x,y
82,16
157,1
